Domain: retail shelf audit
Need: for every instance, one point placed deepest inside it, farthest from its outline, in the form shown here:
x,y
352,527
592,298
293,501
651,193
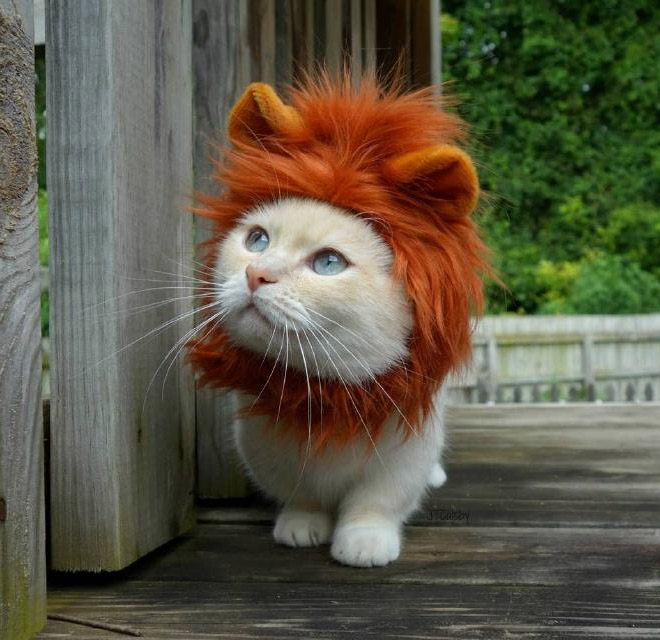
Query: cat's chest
x,y
269,451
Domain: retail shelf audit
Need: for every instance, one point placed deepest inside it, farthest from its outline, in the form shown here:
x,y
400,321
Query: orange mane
x,y
389,157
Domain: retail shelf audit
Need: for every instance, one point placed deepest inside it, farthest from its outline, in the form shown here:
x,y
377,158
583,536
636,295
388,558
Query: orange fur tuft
x,y
386,156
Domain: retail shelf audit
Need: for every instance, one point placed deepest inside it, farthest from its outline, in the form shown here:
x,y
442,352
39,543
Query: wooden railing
x,y
602,359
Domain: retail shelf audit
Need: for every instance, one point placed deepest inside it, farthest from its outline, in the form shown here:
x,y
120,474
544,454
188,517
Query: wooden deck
x,y
549,527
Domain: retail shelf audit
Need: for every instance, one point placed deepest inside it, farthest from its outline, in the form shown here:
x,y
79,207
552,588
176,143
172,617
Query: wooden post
x,y
370,35
22,526
302,36
393,27
222,65
356,46
119,96
262,40
334,42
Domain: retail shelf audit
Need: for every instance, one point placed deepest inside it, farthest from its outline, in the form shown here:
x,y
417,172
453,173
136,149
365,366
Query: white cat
x,y
310,286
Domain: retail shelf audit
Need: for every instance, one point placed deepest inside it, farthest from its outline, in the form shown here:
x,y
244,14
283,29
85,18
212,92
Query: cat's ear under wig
x,y
260,113
444,173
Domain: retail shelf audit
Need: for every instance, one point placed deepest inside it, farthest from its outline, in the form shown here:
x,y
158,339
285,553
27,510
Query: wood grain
x,y
222,68
541,466
283,611
22,526
120,174
540,575
455,555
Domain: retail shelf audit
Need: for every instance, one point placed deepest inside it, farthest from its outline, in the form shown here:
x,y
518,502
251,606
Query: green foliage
x,y
40,108
634,231
43,227
43,254
608,284
563,97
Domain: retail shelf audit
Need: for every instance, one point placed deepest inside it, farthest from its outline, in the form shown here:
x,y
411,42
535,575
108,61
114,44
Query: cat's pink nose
x,y
256,276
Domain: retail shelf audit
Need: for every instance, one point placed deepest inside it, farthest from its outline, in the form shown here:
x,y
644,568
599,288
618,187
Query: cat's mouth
x,y
272,318
251,307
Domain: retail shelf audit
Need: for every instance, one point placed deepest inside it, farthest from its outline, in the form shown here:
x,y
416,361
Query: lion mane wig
x,y
377,152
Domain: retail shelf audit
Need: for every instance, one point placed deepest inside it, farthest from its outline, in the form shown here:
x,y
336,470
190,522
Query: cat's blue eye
x,y
257,240
329,262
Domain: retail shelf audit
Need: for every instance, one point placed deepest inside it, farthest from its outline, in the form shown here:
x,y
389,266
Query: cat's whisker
x,y
357,336
270,375
286,366
373,378
371,346
175,277
272,335
318,375
350,397
146,307
370,376
184,276
152,333
132,293
356,383
192,259
183,340
309,423
176,280
199,268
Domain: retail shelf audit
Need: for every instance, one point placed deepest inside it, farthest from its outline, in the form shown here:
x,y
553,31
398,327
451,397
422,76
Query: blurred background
x,y
562,97
564,100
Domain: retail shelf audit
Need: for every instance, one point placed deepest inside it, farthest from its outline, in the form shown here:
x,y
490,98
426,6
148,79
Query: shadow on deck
x,y
548,527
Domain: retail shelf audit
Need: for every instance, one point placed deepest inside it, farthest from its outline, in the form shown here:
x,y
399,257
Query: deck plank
x,y
545,466
202,610
431,555
562,541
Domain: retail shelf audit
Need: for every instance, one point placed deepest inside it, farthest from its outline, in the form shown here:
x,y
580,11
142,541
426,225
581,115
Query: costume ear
x,y
260,113
443,172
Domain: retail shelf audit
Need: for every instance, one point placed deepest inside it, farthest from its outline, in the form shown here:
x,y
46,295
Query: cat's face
x,y
310,285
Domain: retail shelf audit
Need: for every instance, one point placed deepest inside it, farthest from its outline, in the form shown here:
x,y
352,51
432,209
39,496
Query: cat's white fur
x,y
347,327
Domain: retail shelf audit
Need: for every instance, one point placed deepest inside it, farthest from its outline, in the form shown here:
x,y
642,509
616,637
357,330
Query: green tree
x,y
563,98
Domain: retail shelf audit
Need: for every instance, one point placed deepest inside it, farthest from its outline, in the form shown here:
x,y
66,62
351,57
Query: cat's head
x,y
311,285
345,221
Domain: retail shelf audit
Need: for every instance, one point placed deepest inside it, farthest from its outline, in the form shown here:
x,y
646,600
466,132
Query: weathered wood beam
x,y
222,60
119,96
22,527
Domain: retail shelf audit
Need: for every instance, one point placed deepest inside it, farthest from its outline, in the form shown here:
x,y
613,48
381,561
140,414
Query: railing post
x,y
22,526
492,369
588,367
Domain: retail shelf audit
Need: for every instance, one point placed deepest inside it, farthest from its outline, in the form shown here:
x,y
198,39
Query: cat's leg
x,y
370,519
303,524
371,515
367,538
274,465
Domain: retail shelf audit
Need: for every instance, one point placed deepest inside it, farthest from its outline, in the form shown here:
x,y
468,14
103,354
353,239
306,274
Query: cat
x,y
341,279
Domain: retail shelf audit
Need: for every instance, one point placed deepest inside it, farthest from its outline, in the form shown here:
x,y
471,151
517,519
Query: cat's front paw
x,y
298,528
366,545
